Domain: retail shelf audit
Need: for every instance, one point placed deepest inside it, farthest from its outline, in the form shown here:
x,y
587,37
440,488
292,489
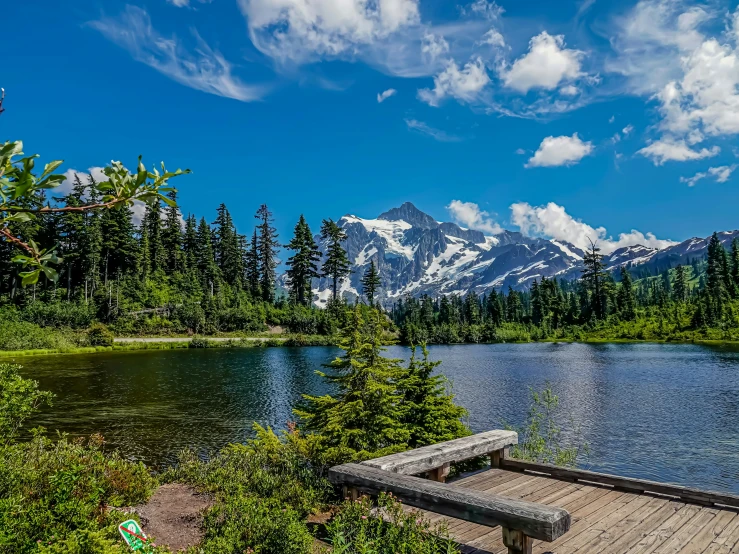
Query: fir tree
x,y
227,250
172,235
206,263
267,247
252,267
364,418
303,265
118,248
153,222
626,298
190,243
735,267
716,293
680,288
370,283
430,412
336,266
593,277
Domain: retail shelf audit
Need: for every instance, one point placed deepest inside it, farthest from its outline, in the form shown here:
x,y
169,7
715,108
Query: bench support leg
x,y
517,542
439,474
497,457
349,493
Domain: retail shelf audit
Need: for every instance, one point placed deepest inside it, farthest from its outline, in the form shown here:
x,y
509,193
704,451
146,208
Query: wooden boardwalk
x,y
604,521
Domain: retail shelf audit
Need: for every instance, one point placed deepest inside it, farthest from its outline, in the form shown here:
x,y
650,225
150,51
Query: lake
x,y
665,412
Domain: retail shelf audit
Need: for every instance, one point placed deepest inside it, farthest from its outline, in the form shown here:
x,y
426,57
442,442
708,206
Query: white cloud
x,y
203,68
627,130
612,119
485,9
493,38
465,85
720,173
469,214
545,66
138,210
179,3
569,90
436,134
520,151
556,151
66,186
666,149
382,96
554,222
434,46
302,30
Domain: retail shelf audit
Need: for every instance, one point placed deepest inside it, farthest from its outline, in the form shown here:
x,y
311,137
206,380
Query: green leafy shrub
x,y
50,489
200,342
99,335
19,400
540,438
22,335
357,529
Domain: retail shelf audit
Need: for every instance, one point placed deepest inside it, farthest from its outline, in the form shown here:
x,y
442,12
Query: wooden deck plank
x,y
617,526
705,536
604,520
728,539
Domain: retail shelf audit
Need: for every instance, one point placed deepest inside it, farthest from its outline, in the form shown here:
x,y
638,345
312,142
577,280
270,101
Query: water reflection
x,y
656,411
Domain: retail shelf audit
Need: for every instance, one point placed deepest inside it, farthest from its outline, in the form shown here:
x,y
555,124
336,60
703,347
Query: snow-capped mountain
x,y
417,255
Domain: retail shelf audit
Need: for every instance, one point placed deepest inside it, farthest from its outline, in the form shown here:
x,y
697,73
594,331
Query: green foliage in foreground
x,y
356,529
540,438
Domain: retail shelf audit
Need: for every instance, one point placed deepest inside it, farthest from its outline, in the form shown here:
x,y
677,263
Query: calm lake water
x,y
655,411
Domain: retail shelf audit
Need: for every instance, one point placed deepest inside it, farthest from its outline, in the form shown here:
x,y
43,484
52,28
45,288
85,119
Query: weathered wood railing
x,y
520,521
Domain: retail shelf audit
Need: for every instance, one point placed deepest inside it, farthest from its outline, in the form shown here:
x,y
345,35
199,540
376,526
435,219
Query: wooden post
x,y
497,456
439,474
517,542
349,493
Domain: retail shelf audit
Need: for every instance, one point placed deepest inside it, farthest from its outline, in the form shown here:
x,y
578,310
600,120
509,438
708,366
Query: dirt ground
x,y
173,516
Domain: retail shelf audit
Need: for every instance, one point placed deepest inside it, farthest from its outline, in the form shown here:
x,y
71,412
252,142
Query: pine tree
x,y
680,288
364,418
267,247
252,267
626,298
537,309
206,263
190,243
336,266
430,412
370,283
716,293
735,268
153,222
593,277
118,248
303,265
514,308
172,236
227,250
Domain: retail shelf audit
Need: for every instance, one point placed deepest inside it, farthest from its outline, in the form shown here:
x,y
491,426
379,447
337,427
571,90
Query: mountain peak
x,y
410,214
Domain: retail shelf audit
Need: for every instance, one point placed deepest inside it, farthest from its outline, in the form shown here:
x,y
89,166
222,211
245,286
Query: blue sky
x,y
565,119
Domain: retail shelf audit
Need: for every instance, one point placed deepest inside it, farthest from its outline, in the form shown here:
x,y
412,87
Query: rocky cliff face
x,y
417,255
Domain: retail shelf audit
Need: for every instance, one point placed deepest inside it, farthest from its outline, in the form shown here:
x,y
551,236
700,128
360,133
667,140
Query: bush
x,y
52,491
357,529
19,400
22,335
200,342
98,335
77,315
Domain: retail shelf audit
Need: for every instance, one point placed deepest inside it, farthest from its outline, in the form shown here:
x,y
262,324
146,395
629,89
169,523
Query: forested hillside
x,y
693,302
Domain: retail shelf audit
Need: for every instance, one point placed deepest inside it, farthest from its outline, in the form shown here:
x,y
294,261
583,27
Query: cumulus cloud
x,y
66,186
545,65
666,150
465,84
301,30
552,221
382,96
556,151
202,68
425,129
720,173
469,214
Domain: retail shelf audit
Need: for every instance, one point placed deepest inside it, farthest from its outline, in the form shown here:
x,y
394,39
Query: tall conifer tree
x,y
371,282
303,264
336,266
267,248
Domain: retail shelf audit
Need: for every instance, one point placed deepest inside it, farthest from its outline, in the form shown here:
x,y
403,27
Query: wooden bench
x,y
521,521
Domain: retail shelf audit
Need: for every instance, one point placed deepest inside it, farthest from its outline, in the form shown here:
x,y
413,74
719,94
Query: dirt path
x,y
174,515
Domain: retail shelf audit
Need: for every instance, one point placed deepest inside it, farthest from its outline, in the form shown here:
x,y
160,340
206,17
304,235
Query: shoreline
x,y
132,344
